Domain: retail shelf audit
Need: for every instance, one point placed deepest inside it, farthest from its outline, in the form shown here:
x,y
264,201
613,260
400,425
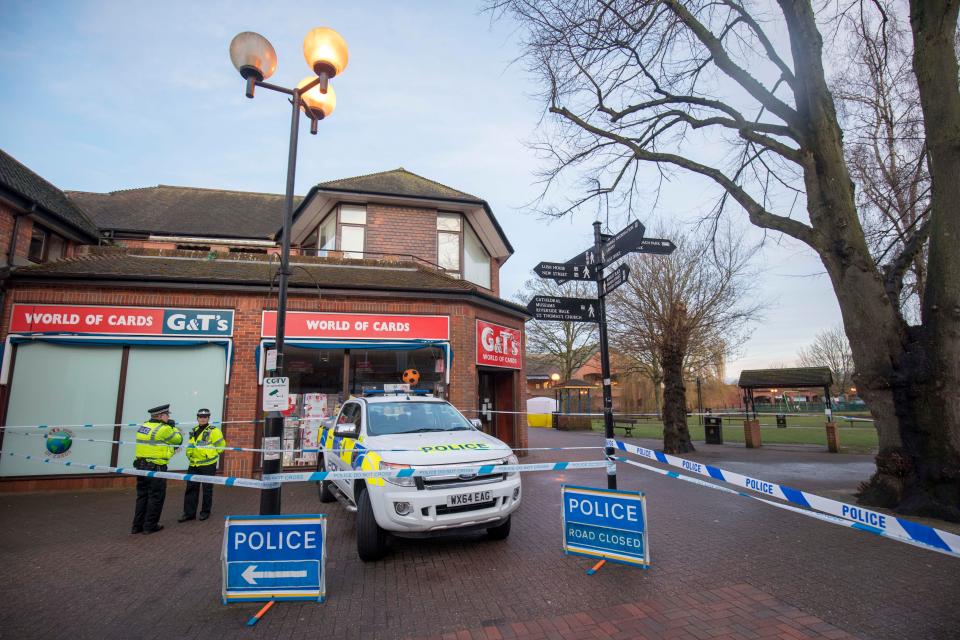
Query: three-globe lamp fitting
x,y
326,54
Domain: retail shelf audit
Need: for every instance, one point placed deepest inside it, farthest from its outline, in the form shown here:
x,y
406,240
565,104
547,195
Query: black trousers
x,y
151,493
192,494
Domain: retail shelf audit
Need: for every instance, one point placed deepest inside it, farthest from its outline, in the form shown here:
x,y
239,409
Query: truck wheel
x,y
501,531
371,539
326,495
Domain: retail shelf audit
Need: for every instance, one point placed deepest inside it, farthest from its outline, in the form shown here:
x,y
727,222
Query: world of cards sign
x,y
564,309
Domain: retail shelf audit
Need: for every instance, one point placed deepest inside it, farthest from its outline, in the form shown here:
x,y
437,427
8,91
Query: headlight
x,y
400,482
512,459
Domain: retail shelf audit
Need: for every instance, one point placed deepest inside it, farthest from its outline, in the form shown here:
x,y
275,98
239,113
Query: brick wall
x,y
7,222
242,396
402,230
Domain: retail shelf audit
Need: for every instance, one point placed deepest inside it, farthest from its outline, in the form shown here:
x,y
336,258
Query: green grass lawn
x,y
859,438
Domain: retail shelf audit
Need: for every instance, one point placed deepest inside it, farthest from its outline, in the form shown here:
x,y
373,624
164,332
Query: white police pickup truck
x,y
403,431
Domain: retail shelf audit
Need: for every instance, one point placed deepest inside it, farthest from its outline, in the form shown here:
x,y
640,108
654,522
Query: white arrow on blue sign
x,y
274,558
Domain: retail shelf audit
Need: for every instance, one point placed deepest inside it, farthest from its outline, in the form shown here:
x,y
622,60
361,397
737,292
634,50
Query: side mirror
x,y
345,430
476,423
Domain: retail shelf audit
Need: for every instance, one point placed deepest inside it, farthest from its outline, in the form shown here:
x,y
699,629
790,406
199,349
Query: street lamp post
x,y
255,58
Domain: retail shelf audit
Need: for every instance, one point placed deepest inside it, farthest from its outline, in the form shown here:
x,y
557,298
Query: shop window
x,y
449,229
476,260
373,368
62,385
38,243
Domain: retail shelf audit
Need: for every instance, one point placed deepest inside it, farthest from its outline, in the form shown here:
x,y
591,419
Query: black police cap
x,y
203,413
163,408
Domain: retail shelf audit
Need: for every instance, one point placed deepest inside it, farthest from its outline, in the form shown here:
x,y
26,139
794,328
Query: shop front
x,y
330,357
85,370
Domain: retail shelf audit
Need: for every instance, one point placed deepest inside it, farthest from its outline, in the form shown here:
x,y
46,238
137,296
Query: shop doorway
x,y
496,398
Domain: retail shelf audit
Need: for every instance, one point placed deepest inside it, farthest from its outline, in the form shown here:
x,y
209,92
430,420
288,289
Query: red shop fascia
x,y
87,355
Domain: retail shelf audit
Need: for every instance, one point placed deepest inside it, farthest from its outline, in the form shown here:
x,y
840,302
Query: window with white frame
x,y
449,232
476,260
353,221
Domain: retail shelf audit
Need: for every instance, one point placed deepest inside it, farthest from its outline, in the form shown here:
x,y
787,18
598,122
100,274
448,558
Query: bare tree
x,y
682,314
568,344
713,89
831,349
879,107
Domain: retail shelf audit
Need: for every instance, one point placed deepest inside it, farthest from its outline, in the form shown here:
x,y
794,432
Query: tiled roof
x,y
796,377
398,182
145,266
21,181
186,211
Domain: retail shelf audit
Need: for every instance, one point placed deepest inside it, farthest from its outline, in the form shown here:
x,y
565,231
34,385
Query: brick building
x,y
391,272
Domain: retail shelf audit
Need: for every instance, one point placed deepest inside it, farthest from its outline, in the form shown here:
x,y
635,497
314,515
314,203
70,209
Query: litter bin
x,y
713,428
781,421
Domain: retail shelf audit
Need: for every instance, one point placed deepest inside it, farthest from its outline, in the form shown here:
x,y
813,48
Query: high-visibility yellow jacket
x,y
156,442
210,436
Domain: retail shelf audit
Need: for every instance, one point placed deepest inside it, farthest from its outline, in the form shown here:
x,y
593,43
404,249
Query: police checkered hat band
x,y
163,408
203,413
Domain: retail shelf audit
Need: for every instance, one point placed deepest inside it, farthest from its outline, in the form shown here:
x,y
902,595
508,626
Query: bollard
x,y
751,433
833,438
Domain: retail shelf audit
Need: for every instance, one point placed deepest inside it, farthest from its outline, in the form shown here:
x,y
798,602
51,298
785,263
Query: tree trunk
x,y
676,436
916,412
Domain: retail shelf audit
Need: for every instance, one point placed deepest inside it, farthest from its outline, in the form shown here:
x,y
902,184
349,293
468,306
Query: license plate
x,y
474,497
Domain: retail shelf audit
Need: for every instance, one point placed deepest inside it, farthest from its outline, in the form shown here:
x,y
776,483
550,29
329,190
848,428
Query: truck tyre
x,y
326,496
501,531
371,539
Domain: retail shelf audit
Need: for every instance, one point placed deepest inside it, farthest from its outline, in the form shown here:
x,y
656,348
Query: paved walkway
x,y
723,567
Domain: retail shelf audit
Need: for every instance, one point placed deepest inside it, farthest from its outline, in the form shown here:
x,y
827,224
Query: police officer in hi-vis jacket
x,y
203,452
157,441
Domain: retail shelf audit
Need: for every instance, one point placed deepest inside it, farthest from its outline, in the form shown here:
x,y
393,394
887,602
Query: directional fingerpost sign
x,y
658,246
622,243
274,558
565,309
565,272
615,279
589,265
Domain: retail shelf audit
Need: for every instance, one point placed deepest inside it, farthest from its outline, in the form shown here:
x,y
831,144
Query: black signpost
x,y
589,265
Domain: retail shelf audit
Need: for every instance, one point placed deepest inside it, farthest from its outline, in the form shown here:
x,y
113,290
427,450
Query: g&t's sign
x,y
499,346
603,523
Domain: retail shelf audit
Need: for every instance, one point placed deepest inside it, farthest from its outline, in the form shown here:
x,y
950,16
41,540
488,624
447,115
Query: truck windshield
x,y
414,417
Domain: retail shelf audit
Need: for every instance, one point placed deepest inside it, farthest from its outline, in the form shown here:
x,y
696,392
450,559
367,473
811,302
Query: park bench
x,y
627,424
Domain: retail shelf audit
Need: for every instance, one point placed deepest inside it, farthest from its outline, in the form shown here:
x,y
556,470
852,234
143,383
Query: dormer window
x,y
449,233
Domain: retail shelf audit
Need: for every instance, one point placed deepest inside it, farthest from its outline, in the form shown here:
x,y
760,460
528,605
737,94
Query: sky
x,y
101,96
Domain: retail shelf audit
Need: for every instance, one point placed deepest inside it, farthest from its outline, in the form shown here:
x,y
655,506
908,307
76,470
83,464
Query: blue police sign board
x,y
274,558
603,523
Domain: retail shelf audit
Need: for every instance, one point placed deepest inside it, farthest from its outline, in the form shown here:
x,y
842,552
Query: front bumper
x,y
429,511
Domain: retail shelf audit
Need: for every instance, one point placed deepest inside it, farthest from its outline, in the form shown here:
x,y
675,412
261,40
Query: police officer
x,y
157,440
206,443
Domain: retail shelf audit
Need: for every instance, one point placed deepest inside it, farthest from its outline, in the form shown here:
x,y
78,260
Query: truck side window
x,y
350,415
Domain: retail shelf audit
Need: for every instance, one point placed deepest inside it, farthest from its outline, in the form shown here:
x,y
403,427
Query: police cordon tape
x,y
229,481
779,505
47,436
485,469
864,519
272,481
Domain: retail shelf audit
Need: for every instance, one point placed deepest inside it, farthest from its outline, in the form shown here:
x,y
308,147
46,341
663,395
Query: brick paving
x,y
723,567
